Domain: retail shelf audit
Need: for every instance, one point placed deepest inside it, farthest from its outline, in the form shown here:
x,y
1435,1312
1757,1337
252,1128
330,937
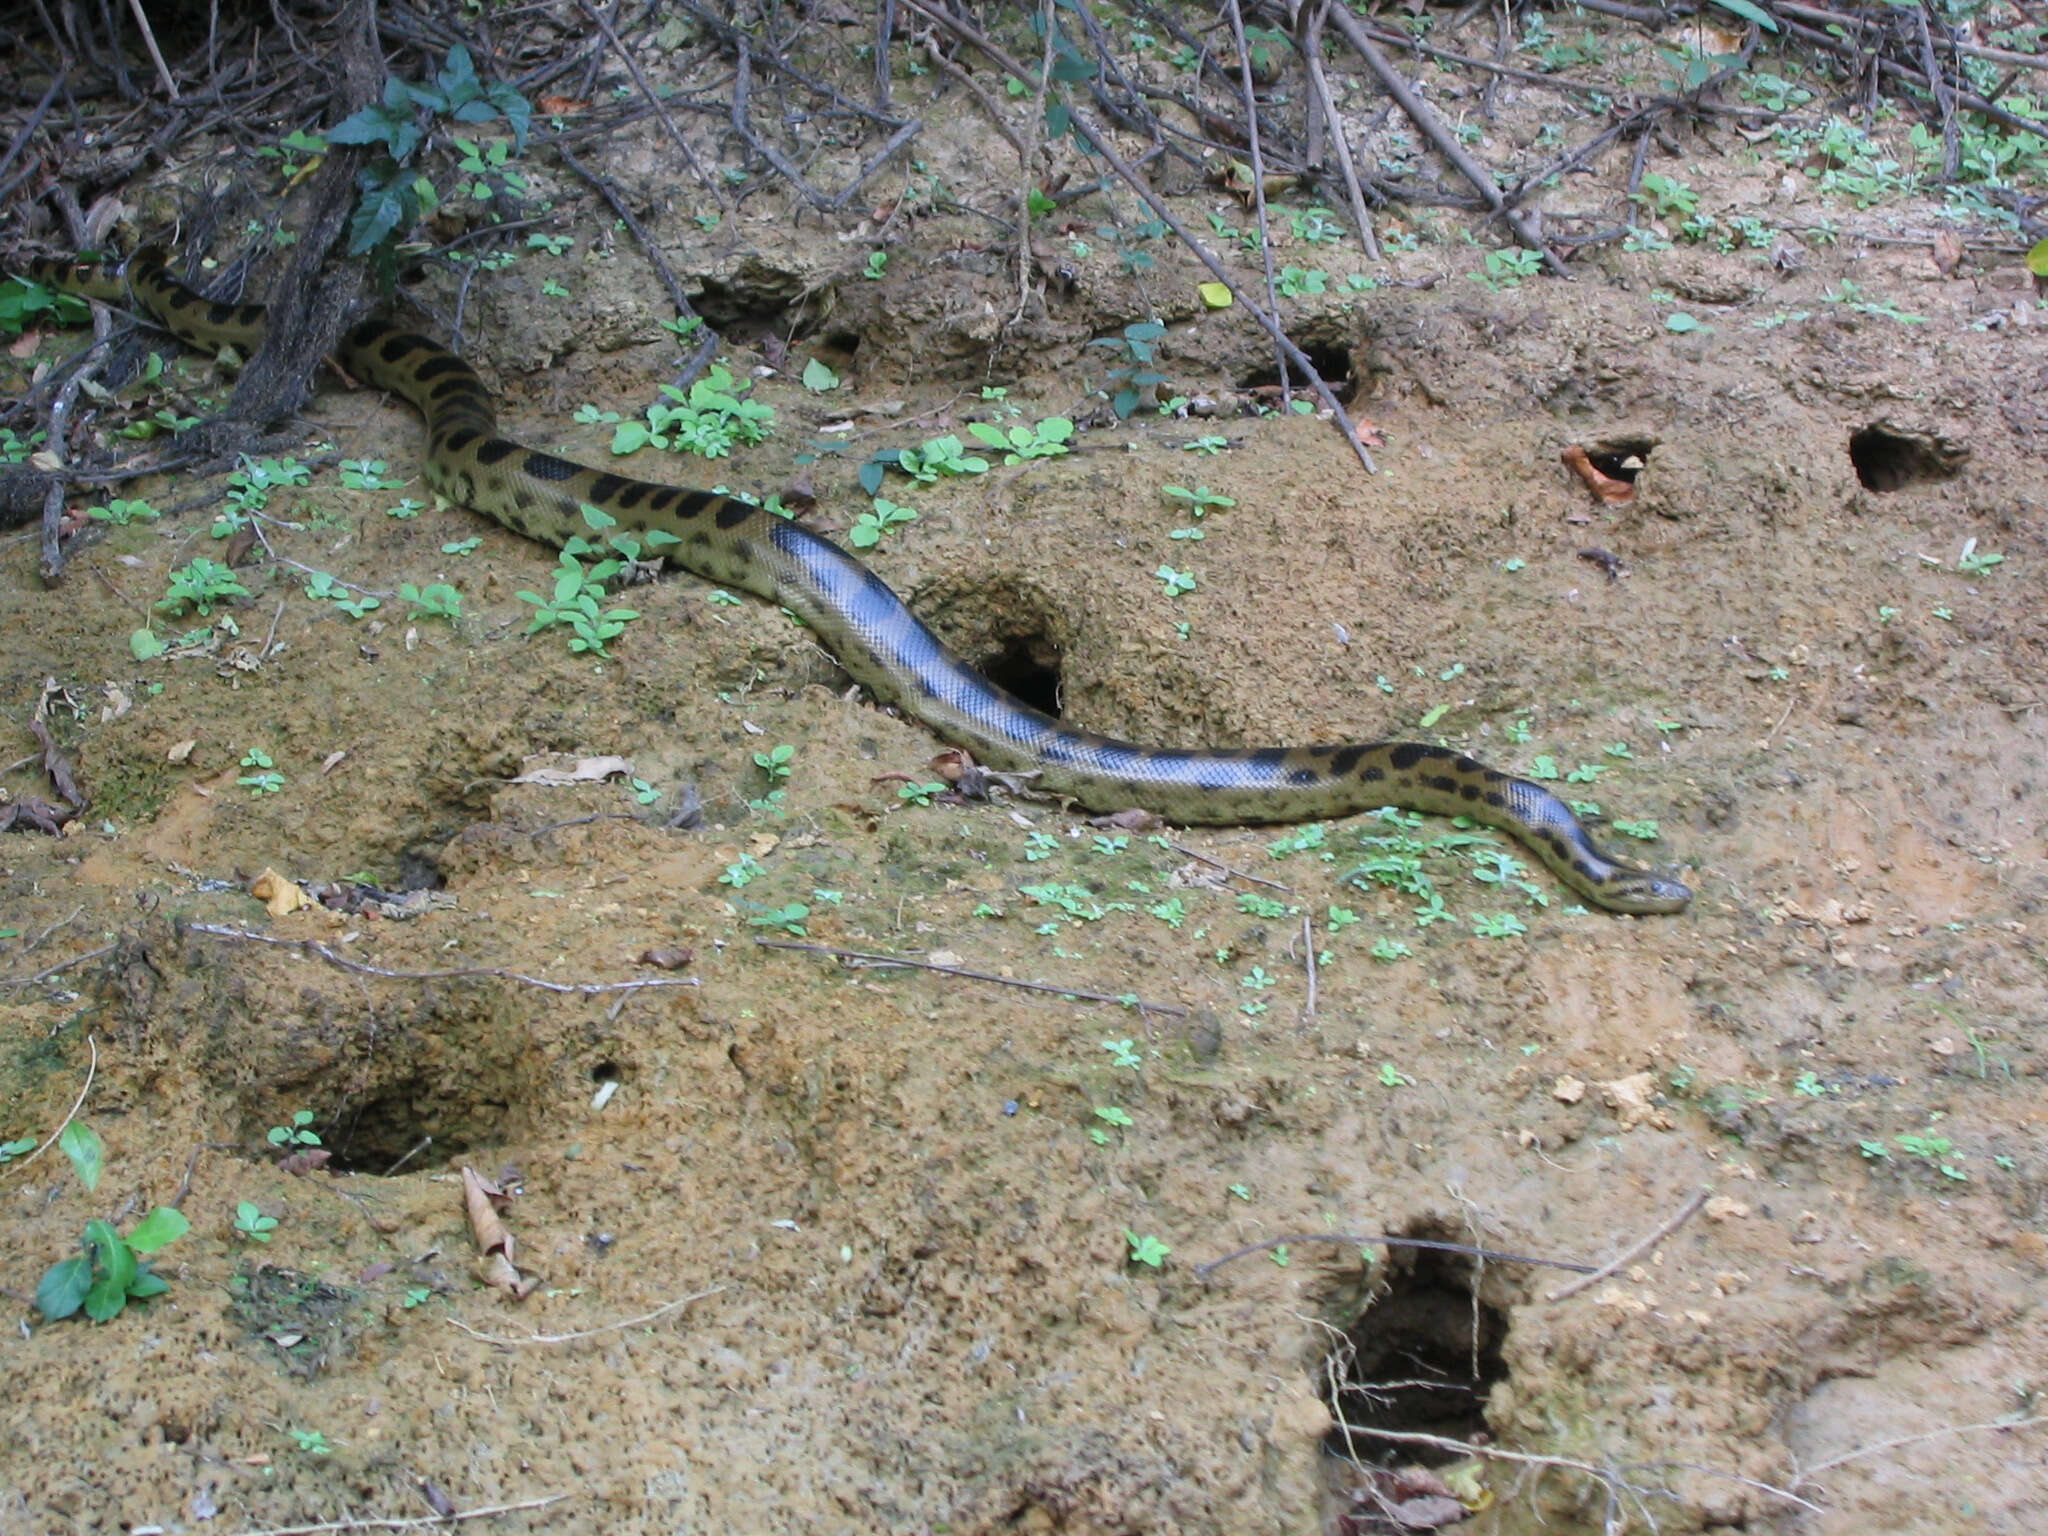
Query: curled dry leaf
x,y
280,897
482,1201
667,959
1610,491
554,770
182,751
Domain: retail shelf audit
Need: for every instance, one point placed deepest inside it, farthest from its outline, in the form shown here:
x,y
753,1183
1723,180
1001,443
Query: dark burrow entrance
x,y
1029,667
1889,458
1332,362
1420,1358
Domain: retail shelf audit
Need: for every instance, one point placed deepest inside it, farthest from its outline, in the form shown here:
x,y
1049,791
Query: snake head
x,y
1640,891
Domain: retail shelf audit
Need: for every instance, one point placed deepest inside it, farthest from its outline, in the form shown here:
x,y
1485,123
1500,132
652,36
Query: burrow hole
x,y
1622,457
1027,665
1332,362
1889,458
1419,1357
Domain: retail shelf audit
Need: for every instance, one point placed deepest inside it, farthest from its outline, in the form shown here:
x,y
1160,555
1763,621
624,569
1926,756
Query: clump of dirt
x,y
889,1248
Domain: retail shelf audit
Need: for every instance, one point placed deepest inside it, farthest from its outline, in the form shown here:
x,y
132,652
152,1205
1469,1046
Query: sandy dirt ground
x,y
821,1246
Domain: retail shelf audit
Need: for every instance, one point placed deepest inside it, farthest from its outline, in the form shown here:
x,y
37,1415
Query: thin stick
x,y
1101,146
954,970
1433,130
62,965
91,1068
653,100
1359,1240
587,1333
343,963
1891,1445
1600,1474
1308,952
1237,873
415,1523
1326,101
156,56
1258,160
1634,1250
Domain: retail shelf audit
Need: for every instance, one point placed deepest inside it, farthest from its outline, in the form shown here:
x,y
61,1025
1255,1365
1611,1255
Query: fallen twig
x,y
954,970
1594,1277
407,1523
1235,873
1356,1240
342,962
91,1067
586,1333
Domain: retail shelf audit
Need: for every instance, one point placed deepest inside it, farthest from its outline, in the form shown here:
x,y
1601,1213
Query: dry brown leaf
x,y
481,1202
182,751
1948,252
549,768
280,897
1629,1097
667,959
306,1161
1609,490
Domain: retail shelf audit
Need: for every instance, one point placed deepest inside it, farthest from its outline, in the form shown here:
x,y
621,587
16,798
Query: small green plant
x,y
394,197
1392,1076
322,587
435,601
1974,562
576,604
1123,1053
709,419
299,1132
1506,269
110,1272
311,1441
1173,582
1149,1251
1662,195
877,267
367,475
919,794
1497,925
252,1223
263,777
786,919
945,455
1201,501
199,586
1388,950
1136,377
1039,845
554,245
416,1295
868,527
1315,226
22,302
122,513
1295,282
775,762
1047,440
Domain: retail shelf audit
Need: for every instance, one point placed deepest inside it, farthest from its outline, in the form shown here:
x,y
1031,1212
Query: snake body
x,y
875,636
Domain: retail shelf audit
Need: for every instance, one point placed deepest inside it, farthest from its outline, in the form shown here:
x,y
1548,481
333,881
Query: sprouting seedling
x,y
1201,500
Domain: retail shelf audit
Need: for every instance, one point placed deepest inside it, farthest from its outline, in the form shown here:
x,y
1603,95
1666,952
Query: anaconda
x,y
871,631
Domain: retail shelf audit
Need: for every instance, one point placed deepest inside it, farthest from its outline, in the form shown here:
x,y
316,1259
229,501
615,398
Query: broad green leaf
x,y
818,378
1749,12
1215,295
63,1287
162,1225
81,1143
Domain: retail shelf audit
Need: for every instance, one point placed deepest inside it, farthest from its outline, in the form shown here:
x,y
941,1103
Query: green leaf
x,y
598,519
1749,12
62,1289
2037,259
162,1225
81,1143
818,378
115,1266
145,644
